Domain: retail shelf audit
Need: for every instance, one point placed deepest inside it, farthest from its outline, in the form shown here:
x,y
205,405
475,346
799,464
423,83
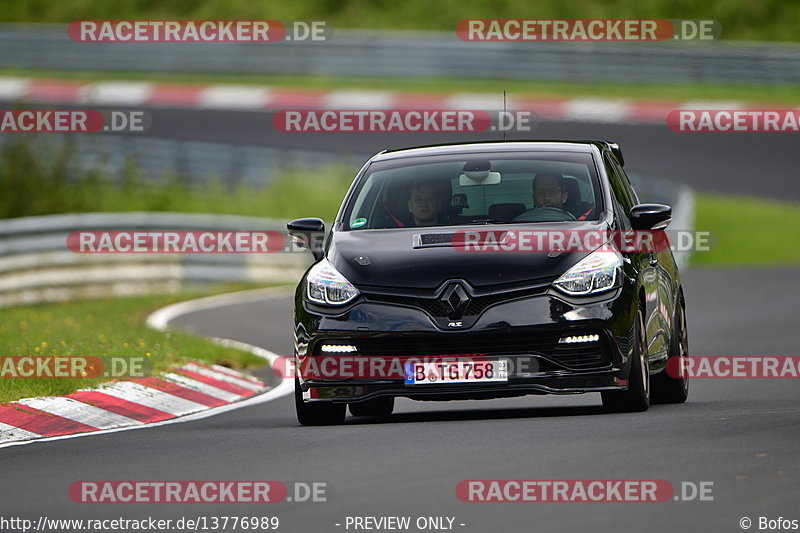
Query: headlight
x,y
597,272
325,285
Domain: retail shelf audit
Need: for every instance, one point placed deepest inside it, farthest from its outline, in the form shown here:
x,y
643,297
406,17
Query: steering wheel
x,y
545,214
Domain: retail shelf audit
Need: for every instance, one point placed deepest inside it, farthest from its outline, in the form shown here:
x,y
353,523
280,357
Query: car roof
x,y
492,146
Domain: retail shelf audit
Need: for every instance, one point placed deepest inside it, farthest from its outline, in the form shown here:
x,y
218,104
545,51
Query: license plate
x,y
456,372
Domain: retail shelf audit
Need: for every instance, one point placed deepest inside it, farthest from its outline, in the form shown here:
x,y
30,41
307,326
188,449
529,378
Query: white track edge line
x,y
162,318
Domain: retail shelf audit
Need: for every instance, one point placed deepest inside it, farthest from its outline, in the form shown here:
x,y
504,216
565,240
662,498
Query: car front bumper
x,y
525,332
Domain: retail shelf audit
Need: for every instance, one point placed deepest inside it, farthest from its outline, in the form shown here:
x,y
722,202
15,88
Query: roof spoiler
x,y
617,151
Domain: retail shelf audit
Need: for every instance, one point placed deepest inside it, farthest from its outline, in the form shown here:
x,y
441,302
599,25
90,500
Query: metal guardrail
x,y
36,266
415,55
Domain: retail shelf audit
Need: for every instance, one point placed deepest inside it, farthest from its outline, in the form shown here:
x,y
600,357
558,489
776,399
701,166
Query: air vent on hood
x,y
436,238
430,240
422,240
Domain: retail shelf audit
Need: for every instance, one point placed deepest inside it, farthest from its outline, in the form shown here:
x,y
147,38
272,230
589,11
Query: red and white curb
x,y
235,97
189,392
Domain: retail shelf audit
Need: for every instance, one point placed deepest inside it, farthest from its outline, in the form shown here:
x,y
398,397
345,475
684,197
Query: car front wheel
x,y
637,397
668,388
317,413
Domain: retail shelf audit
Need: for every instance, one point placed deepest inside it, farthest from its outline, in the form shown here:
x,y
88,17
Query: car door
x,y
645,262
667,279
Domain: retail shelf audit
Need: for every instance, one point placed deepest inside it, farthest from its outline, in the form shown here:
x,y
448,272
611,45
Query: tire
x,y
381,406
637,397
317,413
666,388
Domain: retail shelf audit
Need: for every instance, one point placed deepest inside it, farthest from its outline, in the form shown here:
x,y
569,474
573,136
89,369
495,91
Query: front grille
x,y
456,344
544,343
435,309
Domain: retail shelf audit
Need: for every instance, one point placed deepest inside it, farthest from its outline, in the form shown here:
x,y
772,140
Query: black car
x,y
423,288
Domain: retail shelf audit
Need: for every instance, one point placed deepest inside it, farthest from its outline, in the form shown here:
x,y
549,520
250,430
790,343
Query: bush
x,y
37,178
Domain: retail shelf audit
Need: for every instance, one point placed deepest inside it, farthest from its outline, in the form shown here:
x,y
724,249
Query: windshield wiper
x,y
490,221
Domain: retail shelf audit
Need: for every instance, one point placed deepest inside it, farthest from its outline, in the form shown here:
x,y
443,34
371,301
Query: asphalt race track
x,y
739,434
762,164
742,435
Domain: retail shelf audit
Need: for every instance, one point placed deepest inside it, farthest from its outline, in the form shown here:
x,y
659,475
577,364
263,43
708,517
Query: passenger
x,y
424,204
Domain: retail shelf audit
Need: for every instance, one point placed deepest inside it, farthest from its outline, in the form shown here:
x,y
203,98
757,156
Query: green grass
x,y
109,327
748,231
24,174
758,93
741,19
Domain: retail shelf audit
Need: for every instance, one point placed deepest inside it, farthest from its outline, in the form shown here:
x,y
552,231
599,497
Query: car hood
x,y
421,258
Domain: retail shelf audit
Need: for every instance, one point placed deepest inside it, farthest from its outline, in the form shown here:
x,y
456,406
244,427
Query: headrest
x,y
506,211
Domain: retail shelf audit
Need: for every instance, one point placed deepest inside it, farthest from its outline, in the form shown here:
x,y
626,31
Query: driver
x,y
549,190
424,204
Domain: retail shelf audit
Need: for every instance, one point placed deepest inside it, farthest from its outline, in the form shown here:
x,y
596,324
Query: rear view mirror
x,y
484,177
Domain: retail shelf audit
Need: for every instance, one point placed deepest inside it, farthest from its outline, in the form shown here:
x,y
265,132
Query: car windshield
x,y
475,189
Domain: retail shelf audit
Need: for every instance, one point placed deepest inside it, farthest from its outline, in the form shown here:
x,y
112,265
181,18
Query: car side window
x,y
626,182
622,202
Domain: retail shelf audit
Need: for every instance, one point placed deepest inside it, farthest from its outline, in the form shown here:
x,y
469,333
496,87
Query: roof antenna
x,y
504,113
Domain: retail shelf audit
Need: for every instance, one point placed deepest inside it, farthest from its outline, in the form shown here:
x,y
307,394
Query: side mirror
x,y
651,216
308,233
